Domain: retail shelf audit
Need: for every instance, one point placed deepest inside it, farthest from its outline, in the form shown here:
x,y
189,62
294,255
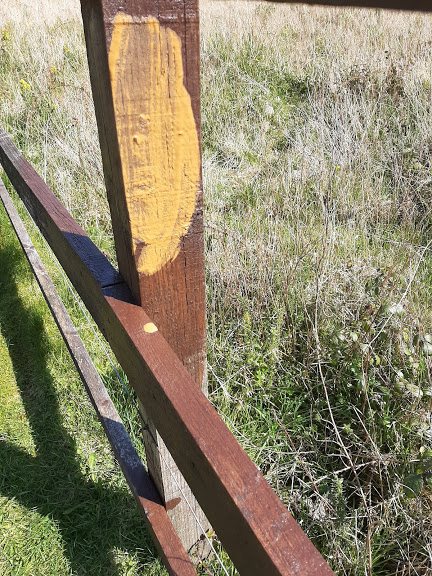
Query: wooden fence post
x,y
144,67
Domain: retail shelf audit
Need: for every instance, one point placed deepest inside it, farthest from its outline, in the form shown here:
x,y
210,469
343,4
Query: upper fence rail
x,y
414,6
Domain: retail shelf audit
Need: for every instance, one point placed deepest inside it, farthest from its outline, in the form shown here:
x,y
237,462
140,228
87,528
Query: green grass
x,y
317,163
60,513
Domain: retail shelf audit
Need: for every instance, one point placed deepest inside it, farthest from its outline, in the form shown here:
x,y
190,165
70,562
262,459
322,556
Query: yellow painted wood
x,y
157,137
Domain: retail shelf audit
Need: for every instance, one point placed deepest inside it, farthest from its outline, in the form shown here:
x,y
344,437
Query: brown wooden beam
x,y
413,6
144,68
256,529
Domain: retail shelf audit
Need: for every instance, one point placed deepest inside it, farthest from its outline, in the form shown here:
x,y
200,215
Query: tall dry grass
x,y
317,164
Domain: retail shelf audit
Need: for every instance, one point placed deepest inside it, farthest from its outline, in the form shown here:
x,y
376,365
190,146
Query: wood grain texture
x,y
143,489
144,68
257,531
413,6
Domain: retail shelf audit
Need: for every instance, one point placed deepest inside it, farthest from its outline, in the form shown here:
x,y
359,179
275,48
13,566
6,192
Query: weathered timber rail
x,y
144,67
414,6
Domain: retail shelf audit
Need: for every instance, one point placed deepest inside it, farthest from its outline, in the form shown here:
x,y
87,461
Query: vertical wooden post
x,y
144,67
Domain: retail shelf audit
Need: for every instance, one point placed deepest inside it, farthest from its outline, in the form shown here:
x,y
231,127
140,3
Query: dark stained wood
x,y
257,531
144,68
142,487
415,5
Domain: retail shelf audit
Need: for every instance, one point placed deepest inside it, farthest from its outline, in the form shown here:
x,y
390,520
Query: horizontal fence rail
x,y
258,532
412,6
147,498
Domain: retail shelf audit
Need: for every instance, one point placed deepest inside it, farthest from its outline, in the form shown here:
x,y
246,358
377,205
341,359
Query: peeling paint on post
x,y
144,67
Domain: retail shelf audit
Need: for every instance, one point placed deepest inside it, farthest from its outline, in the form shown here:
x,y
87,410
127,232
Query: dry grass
x,y
42,12
317,164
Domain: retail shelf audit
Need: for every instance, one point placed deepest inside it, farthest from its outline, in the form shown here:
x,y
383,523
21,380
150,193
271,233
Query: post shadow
x,y
93,519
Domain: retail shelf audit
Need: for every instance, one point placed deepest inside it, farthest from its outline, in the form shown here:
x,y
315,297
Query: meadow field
x,y
317,163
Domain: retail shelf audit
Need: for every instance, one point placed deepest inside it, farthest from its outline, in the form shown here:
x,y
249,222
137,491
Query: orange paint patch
x,y
157,136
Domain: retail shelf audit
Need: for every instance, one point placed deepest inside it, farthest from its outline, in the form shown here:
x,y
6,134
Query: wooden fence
x,y
144,67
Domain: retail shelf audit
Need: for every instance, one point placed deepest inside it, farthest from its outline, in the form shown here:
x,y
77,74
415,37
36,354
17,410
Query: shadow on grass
x,y
92,519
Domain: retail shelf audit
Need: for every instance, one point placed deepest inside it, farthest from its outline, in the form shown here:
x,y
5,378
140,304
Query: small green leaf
x,y
428,479
413,483
92,460
413,389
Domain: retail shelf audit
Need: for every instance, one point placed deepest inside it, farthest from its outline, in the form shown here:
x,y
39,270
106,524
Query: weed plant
x,y
317,158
